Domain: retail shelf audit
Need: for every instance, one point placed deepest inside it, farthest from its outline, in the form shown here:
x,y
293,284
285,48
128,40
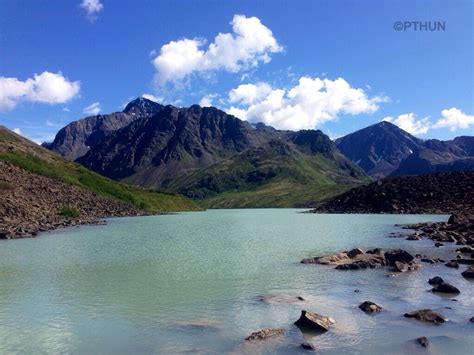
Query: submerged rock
x,y
445,287
370,307
435,280
453,263
468,273
404,266
423,341
313,321
398,255
426,315
266,333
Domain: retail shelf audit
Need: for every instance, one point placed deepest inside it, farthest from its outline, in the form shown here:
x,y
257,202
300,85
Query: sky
x,y
332,65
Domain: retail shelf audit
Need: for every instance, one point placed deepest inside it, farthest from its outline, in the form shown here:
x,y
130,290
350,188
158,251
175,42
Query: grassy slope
x,y
288,178
38,160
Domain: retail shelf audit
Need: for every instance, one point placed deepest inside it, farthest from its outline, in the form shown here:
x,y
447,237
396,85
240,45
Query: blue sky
x,y
334,65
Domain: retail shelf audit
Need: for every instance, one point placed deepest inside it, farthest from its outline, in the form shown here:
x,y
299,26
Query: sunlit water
x,y
191,283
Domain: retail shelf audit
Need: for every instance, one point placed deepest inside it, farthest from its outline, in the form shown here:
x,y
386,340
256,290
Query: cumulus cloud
x,y
45,87
249,44
92,8
206,101
17,131
92,109
310,103
410,123
153,98
454,119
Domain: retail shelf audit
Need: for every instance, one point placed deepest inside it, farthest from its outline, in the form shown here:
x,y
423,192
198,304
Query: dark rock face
x,y
426,315
431,193
435,281
370,307
445,287
469,273
314,322
77,138
423,341
398,255
384,150
265,333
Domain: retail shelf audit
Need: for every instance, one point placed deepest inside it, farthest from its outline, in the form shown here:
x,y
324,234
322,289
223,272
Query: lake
x,y
201,282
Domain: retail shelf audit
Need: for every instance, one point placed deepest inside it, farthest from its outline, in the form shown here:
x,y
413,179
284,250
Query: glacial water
x,y
201,282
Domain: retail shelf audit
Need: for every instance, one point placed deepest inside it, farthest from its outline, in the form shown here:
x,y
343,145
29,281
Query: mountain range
x,y
222,161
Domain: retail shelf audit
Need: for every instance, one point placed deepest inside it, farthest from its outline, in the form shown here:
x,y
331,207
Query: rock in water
x,y
398,255
426,315
354,252
265,333
453,263
370,307
435,280
313,321
469,273
308,346
445,287
424,342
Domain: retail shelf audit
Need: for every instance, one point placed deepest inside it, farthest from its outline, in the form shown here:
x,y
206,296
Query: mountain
x,y
384,149
209,155
75,139
378,149
36,184
429,193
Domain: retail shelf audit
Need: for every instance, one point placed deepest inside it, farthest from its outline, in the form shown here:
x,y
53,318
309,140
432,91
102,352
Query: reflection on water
x,y
201,282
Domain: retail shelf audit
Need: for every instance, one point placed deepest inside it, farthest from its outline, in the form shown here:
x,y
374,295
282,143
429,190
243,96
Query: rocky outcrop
x,y
430,193
31,203
400,260
314,322
370,307
426,315
266,333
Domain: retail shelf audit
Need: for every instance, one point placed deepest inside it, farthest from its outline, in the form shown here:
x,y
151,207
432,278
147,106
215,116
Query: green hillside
x,y
31,157
277,174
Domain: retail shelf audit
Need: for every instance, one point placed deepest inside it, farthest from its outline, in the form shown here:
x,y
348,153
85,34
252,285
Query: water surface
x,y
194,282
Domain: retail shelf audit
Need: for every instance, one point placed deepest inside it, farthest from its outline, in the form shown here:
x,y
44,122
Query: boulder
x,y
265,333
313,321
445,287
308,346
423,341
469,272
426,315
398,255
354,252
453,263
370,307
435,280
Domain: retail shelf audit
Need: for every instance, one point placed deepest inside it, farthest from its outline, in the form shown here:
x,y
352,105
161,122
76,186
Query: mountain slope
x,y
204,152
75,139
378,149
40,161
383,150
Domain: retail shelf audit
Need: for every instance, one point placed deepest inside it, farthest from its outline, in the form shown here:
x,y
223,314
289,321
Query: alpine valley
x,y
221,161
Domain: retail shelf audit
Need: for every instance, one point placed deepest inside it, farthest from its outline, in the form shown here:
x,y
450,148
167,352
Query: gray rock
x,y
445,287
370,307
426,315
423,341
435,280
266,333
313,321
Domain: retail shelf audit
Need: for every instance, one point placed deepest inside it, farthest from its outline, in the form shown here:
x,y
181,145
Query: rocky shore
x,y
30,204
443,193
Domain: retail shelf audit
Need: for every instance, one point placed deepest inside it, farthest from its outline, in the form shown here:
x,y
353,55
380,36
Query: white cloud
x,y
45,87
454,119
92,109
153,98
307,105
410,123
17,131
92,8
206,101
249,44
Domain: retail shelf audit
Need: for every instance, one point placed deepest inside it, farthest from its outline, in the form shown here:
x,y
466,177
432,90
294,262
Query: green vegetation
x,y
39,160
68,211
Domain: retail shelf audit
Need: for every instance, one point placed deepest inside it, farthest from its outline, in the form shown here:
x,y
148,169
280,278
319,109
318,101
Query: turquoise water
x,y
194,282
